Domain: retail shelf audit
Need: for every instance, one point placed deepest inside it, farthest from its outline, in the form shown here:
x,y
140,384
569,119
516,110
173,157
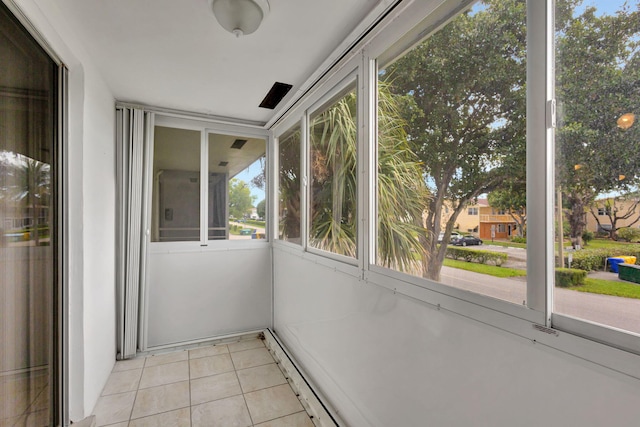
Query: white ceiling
x,y
174,54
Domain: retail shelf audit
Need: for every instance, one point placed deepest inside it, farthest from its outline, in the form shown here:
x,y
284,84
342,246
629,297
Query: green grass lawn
x,y
255,223
608,244
491,270
607,287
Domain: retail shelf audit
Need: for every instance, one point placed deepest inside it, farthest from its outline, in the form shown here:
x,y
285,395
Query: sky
x,y
606,7
247,175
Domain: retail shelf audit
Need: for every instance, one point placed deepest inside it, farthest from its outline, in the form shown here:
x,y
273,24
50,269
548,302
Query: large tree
x,y
466,121
624,208
597,81
240,198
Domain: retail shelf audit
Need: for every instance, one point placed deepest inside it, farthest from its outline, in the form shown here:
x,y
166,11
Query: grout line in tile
x,y
137,390
160,413
235,371
189,378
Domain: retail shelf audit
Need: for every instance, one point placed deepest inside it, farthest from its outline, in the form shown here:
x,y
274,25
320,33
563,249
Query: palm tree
x,y
401,195
34,189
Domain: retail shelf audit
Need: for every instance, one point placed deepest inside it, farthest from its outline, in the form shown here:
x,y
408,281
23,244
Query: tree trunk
x,y
577,217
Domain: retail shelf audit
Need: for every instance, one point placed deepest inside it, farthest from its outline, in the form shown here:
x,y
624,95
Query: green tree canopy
x,y
240,198
466,121
261,208
597,81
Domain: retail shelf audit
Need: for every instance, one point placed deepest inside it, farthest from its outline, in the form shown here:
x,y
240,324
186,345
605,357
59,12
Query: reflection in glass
x,y
176,185
452,154
597,158
27,227
333,197
289,189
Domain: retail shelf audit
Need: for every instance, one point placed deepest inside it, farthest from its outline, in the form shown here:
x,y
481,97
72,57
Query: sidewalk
x,y
623,313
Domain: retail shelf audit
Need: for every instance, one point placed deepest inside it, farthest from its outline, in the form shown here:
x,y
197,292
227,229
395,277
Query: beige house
x,y
483,220
627,211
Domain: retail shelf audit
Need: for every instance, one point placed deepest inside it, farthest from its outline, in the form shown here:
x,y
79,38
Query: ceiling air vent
x,y
275,95
238,143
223,164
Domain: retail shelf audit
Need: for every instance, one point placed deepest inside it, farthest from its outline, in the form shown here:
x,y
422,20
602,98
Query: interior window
x,y
176,185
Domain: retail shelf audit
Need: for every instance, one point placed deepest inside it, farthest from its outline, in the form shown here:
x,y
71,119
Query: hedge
x,y
594,259
566,277
479,256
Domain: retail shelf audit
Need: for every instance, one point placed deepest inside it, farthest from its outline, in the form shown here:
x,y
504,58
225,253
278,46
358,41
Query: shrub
x,y
587,236
595,259
479,256
589,259
629,234
518,239
566,277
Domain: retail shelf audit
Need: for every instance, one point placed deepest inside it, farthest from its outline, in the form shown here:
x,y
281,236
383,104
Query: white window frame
x,y
345,82
285,127
381,49
205,128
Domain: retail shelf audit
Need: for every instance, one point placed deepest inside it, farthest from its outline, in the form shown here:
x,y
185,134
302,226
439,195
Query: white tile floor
x,y
226,385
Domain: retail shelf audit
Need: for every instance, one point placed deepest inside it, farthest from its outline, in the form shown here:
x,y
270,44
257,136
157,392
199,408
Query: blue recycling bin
x,y
613,263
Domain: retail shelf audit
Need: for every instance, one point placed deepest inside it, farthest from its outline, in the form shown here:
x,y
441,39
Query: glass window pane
x,y
597,160
28,195
452,154
236,195
289,189
176,185
333,195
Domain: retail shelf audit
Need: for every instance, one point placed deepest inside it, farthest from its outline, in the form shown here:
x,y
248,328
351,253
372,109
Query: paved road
x,y
623,313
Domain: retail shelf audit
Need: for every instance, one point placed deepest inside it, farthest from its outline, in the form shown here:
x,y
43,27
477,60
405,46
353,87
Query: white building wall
x,y
383,359
91,211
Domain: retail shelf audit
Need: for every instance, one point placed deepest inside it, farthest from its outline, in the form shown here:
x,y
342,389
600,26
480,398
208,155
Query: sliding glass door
x,y
28,241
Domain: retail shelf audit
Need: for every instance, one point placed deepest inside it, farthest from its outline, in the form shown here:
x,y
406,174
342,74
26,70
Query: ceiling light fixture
x,y
240,17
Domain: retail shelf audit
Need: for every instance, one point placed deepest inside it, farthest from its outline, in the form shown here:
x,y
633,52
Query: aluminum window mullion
x,y
204,187
540,244
147,189
305,155
368,160
370,71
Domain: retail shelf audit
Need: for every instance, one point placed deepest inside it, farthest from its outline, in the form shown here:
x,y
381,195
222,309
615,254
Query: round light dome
x,y
240,17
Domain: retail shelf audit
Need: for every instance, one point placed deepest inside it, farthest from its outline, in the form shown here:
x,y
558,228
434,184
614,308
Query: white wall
x,y
99,250
195,295
383,359
91,212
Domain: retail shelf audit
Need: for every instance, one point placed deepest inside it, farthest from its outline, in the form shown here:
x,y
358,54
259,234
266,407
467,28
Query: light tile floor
x,y
226,385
